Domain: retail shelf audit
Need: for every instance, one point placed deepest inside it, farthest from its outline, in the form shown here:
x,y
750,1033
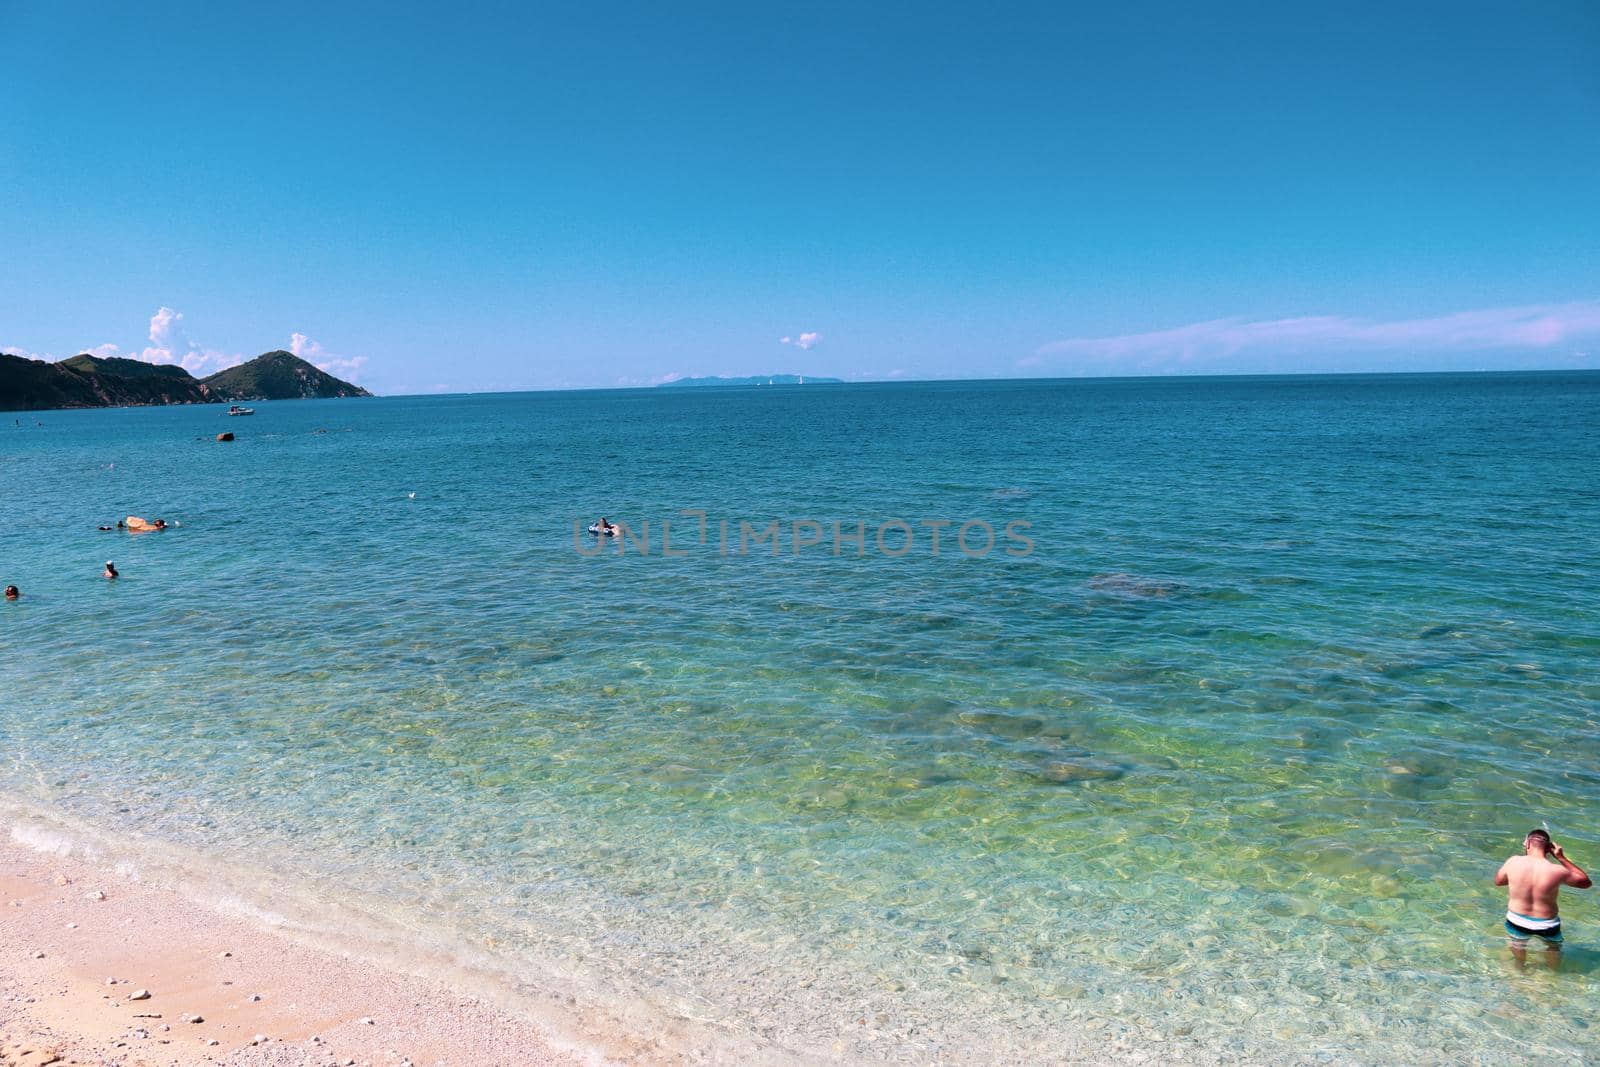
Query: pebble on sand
x,y
139,994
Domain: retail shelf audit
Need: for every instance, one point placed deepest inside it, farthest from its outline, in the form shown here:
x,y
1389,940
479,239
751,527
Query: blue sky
x,y
485,196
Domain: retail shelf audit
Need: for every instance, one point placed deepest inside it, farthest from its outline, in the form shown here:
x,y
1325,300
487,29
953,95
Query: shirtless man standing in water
x,y
1531,905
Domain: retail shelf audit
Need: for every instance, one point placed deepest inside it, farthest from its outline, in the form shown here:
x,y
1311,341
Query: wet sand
x,y
100,969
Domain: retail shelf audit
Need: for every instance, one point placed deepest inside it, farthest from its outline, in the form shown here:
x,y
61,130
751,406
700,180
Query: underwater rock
x,y
1003,723
1135,587
1068,771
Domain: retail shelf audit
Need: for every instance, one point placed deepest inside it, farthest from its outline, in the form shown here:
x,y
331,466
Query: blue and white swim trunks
x,y
1521,927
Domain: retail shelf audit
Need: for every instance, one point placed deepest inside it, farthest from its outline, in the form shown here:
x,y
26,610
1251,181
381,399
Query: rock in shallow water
x,y
1134,586
1065,772
1013,725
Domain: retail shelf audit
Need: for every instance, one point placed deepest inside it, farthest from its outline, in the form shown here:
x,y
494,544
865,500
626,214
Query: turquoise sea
x,y
1221,766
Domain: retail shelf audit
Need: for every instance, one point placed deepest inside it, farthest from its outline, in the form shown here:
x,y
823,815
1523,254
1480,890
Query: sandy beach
x,y
96,968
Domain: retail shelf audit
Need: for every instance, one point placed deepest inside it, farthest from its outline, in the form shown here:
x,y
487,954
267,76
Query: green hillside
x,y
125,368
31,384
277,376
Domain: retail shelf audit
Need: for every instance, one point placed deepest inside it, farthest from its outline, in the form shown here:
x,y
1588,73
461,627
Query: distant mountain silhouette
x,y
86,381
278,375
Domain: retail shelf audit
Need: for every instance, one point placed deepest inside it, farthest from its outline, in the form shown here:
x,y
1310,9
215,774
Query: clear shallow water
x,y
1223,767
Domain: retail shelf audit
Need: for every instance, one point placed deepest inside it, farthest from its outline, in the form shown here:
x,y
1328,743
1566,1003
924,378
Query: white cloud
x,y
1201,345
304,347
170,343
806,340
167,337
347,367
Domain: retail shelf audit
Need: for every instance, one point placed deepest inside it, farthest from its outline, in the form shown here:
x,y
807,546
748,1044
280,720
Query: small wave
x,y
40,839
591,1022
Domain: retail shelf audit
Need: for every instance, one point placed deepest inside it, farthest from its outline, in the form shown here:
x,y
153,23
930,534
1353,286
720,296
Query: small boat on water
x,y
237,410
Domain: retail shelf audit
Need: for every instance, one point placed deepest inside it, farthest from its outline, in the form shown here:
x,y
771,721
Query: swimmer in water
x,y
110,571
1533,881
12,592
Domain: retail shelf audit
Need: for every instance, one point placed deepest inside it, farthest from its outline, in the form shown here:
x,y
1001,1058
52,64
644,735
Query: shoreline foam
x,y
72,928
78,908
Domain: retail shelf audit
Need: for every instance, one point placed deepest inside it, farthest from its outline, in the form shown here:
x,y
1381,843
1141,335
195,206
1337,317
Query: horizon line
x,y
1014,378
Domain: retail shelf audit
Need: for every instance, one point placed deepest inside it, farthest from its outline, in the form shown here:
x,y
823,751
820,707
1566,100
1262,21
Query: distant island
x,y
758,379
90,382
